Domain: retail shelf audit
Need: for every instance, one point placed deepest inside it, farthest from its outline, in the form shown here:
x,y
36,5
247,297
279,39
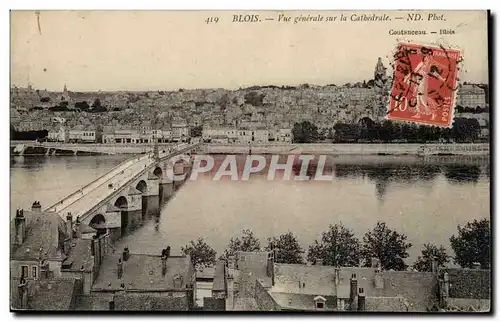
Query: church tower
x,y
382,88
380,70
65,94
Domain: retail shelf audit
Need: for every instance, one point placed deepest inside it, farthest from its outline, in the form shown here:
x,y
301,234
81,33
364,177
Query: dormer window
x,y
320,302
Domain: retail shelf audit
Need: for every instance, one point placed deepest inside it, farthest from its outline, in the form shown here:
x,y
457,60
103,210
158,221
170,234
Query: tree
x,y
305,132
338,247
247,242
202,255
287,249
389,246
254,98
97,103
196,131
431,252
83,105
472,244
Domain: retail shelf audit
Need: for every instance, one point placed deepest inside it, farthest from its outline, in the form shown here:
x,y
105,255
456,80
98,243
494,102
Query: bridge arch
x,y
121,203
98,222
142,186
158,172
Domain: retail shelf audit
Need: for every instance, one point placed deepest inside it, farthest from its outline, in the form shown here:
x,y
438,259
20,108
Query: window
x,y
24,271
320,302
34,271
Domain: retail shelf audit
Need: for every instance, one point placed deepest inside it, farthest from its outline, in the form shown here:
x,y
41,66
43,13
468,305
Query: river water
x,y
424,199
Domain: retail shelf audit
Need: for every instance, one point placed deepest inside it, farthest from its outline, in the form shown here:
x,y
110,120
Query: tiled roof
x,y
312,279
46,295
98,302
42,233
386,304
251,265
144,273
418,288
142,302
294,301
469,283
79,256
206,273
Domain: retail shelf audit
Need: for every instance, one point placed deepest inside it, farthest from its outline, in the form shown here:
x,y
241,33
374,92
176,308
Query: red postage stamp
x,y
424,85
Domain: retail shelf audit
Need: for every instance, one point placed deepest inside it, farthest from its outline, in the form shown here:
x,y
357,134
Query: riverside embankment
x,y
350,149
469,149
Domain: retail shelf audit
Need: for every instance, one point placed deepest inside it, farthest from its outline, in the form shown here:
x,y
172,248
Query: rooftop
x,y
45,232
46,295
143,272
142,302
293,301
79,256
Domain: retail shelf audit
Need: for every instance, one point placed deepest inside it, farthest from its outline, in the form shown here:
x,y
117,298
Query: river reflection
x,y
423,198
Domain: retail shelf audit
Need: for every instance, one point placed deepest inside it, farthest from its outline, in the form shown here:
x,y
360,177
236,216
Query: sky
x,y
167,50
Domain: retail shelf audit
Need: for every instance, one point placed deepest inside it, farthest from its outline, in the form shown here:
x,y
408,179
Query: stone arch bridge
x,y
113,202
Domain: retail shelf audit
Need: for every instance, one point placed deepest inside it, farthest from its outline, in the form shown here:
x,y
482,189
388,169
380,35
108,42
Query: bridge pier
x,y
166,189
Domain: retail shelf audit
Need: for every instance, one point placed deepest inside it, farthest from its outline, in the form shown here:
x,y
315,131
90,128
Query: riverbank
x,y
394,149
351,149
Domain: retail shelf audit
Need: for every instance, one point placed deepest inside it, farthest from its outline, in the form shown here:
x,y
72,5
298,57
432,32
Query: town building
x,y
49,254
59,134
472,96
243,135
132,281
180,132
255,282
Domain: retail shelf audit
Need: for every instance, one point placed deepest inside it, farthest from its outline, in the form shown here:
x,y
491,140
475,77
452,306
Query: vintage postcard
x,y
297,161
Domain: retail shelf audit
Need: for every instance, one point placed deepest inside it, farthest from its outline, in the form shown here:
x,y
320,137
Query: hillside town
x,y
256,114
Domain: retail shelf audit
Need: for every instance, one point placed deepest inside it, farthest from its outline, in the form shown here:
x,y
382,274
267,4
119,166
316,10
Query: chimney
x,y
378,279
270,266
446,280
69,226
336,276
126,254
319,262
375,262
354,288
230,262
164,262
476,265
23,293
120,268
20,225
77,227
36,207
361,300
353,292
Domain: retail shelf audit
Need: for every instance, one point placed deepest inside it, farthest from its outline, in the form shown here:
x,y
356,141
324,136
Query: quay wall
x,y
270,148
351,149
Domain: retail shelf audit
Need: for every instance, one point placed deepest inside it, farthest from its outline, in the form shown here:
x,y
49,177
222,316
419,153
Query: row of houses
x,y
246,135
177,133
58,264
